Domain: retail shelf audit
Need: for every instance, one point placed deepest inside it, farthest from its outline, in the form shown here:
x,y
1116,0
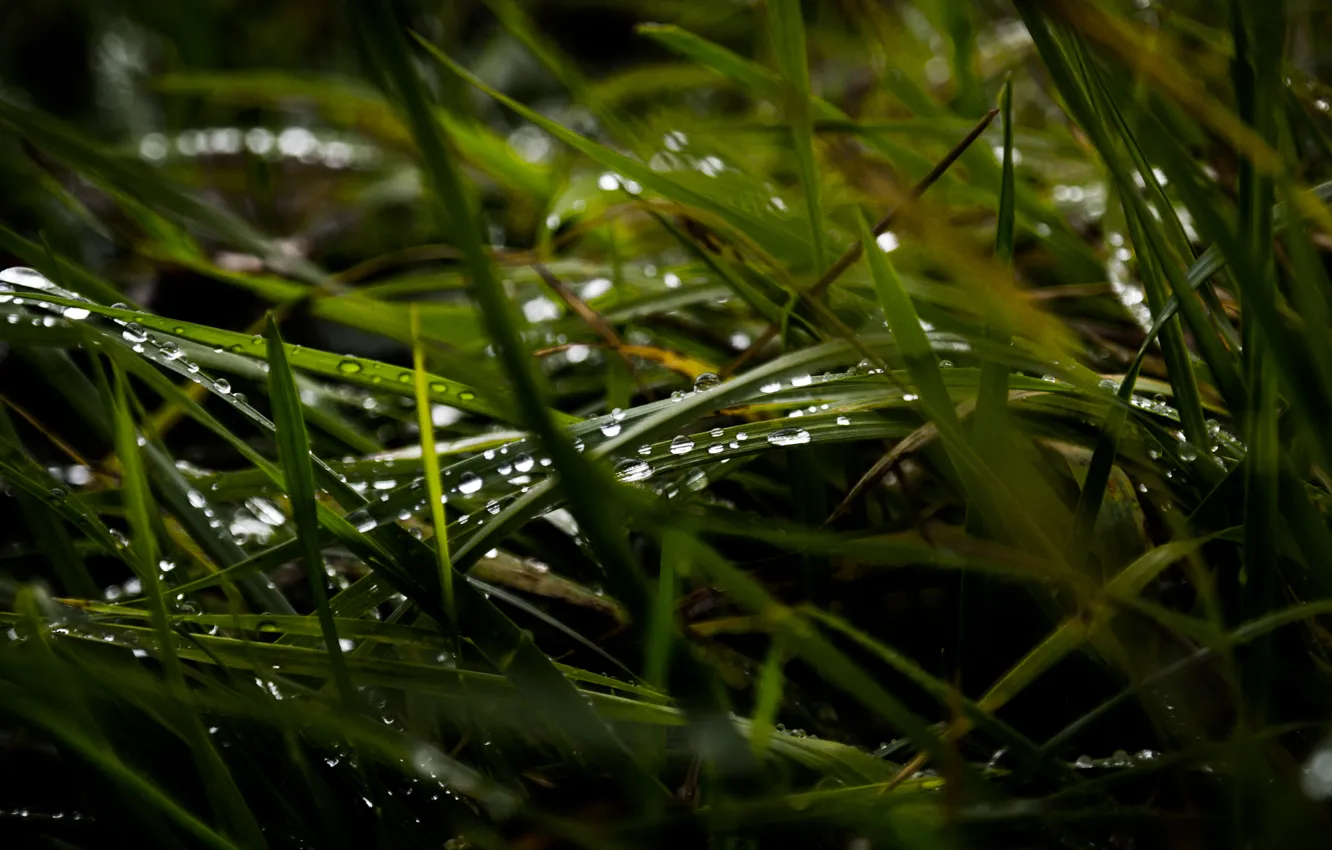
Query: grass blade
x,y
298,474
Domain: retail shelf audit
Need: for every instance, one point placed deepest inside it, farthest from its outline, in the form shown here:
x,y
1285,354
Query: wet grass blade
x,y
387,49
434,489
774,234
230,806
298,474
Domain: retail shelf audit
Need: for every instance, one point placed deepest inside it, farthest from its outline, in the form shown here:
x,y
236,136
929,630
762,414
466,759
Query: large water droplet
x,y
843,420
1188,452
362,521
681,445
134,332
523,463
171,351
802,381
469,482
23,276
222,385
789,437
349,367
610,428
771,387
706,381
633,470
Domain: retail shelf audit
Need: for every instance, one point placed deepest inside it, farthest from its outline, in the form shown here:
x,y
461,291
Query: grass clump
x,y
845,425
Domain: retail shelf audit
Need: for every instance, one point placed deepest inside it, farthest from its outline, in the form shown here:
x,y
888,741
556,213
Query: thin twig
x,y
45,432
591,318
852,253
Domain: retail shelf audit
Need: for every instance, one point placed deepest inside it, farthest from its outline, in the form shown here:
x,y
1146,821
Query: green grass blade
x,y
787,31
989,424
387,50
434,489
773,234
767,698
298,474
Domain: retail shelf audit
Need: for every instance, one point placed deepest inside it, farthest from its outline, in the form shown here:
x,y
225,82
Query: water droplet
x,y
610,429
843,420
633,470
697,479
706,381
196,498
222,385
715,449
1188,452
171,351
802,381
789,437
681,445
578,447
134,332
1084,762
24,276
678,395
645,450
349,367
772,387
523,463
78,314
945,364
469,482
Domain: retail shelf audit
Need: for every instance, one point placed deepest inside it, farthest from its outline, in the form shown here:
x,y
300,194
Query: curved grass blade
x,y
772,233
372,374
